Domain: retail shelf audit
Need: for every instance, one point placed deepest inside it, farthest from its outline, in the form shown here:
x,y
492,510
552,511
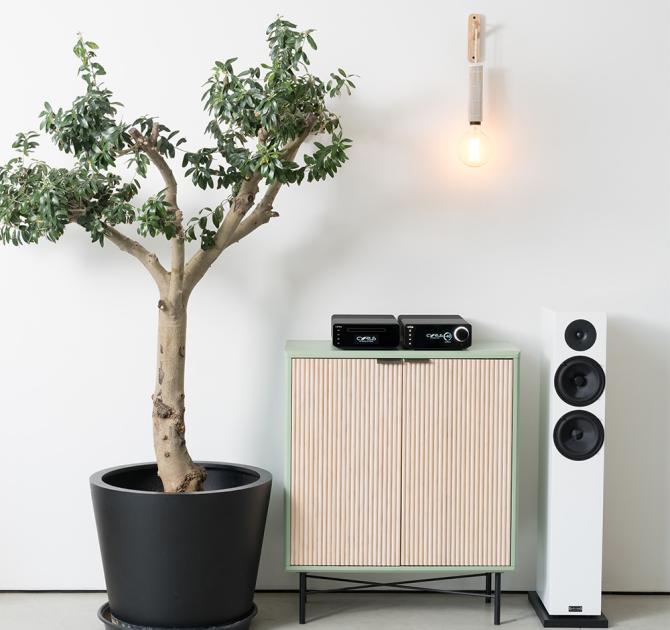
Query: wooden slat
x,y
345,462
457,466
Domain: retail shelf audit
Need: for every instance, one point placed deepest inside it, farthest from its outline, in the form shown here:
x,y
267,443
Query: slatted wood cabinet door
x,y
457,462
345,465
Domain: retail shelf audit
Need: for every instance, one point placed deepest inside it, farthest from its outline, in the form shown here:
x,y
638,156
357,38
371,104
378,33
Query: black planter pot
x,y
180,560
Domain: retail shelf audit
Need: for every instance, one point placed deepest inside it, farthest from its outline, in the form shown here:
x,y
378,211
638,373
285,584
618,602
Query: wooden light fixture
x,y
474,146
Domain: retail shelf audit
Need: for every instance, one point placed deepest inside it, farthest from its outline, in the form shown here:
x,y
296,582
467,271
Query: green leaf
x,y
217,217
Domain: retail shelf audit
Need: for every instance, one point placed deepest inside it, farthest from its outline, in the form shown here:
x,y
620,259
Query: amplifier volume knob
x,y
461,333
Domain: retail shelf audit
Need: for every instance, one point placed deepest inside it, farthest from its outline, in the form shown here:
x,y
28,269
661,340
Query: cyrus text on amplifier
x,y
434,332
357,332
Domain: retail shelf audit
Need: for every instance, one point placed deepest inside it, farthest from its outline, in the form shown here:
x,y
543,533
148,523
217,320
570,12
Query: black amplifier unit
x,y
434,332
357,332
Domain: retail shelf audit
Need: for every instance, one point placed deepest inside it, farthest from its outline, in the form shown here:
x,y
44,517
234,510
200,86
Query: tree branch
x,y
148,145
234,226
261,214
176,276
170,285
251,223
203,259
127,151
147,258
177,260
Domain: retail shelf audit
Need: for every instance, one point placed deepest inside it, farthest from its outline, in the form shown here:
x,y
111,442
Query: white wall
x,y
572,211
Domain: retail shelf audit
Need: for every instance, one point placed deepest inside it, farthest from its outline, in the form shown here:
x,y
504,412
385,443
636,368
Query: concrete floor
x,y
277,611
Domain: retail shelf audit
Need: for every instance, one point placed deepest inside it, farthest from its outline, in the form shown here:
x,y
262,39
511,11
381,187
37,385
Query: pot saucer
x,y
105,615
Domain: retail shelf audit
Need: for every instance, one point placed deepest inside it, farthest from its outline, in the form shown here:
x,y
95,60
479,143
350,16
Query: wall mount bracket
x,y
474,37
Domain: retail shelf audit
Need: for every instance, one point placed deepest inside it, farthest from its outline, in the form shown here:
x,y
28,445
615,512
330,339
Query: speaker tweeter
x,y
580,334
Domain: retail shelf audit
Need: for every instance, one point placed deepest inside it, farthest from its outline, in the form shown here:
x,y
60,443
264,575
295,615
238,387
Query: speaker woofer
x,y
579,381
579,435
580,334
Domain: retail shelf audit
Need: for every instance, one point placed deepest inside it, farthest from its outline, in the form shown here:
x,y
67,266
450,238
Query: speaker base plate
x,y
564,621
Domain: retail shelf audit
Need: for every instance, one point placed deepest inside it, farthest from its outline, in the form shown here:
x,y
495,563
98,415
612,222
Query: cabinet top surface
x,y
325,349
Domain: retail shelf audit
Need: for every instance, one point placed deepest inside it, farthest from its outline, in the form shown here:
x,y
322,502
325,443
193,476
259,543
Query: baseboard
x,y
46,591
295,591
636,592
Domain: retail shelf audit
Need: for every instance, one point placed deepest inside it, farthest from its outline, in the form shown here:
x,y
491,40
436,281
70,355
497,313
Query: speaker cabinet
x,y
572,434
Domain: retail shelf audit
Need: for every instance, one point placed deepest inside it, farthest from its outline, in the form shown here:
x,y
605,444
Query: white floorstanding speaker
x,y
572,433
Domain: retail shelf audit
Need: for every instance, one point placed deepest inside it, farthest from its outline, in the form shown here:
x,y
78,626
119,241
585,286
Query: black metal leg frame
x,y
404,585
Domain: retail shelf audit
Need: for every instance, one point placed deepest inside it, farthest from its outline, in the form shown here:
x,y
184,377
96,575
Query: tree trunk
x,y
175,466
176,469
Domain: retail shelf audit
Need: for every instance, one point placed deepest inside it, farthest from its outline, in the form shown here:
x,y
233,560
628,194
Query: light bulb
x,y
475,147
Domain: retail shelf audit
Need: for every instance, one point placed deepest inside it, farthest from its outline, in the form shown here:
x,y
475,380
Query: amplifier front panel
x,y
457,462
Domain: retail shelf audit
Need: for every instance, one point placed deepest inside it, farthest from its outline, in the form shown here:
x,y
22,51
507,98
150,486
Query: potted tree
x,y
180,539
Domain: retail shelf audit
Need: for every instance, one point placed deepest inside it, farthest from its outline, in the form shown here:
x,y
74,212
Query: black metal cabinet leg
x,y
303,598
488,588
496,600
